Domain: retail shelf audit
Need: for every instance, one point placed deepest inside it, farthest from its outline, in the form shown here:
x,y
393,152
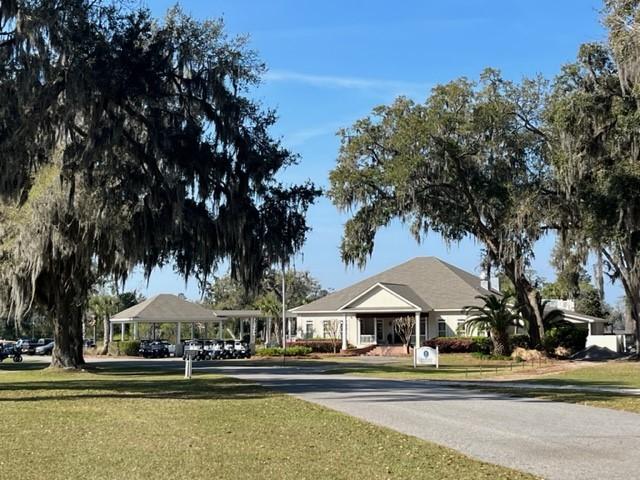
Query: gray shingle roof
x,y
165,308
425,281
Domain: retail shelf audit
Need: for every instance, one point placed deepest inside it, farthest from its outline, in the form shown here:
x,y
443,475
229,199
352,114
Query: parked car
x,y
145,348
45,349
159,349
89,343
10,350
27,345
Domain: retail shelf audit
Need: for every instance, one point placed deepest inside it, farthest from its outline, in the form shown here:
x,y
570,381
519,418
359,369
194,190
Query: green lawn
x,y
452,367
134,424
620,374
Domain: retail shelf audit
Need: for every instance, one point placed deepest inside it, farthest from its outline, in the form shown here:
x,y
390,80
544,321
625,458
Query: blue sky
x,y
331,62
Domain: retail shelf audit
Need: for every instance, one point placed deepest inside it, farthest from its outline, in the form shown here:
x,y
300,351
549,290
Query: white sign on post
x,y
428,356
188,362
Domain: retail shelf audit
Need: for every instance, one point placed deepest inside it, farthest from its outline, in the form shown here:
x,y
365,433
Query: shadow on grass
x,y
22,367
96,387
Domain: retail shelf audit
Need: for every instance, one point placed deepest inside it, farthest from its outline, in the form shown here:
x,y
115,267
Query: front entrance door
x,y
379,331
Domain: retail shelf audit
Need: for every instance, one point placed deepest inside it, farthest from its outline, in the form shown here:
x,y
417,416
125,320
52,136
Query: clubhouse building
x,y
431,290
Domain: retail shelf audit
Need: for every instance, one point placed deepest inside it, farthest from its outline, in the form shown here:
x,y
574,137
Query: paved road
x,y
551,439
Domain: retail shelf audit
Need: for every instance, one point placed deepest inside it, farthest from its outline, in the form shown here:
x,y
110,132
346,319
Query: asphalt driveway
x,y
551,439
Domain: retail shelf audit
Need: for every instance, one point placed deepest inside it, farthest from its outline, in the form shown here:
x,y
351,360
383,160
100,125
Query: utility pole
x,y
284,315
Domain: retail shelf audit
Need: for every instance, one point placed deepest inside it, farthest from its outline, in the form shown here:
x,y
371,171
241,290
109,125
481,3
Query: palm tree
x,y
495,316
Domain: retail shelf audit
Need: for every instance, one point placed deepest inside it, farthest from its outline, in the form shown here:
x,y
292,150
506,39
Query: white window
x,y
442,328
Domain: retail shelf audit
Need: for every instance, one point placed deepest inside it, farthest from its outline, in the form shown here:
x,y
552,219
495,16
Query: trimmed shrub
x,y
482,345
567,336
294,351
522,341
460,344
127,348
317,346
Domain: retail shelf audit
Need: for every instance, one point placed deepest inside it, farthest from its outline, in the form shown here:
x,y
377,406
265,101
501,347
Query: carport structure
x,y
168,308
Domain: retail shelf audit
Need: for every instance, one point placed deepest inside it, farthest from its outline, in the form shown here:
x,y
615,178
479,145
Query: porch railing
x,y
367,339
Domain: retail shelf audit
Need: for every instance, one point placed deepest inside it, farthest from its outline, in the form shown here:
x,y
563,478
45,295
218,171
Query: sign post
x,y
189,354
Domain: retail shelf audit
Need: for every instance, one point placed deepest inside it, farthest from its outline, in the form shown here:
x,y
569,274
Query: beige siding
x,y
452,319
379,298
317,322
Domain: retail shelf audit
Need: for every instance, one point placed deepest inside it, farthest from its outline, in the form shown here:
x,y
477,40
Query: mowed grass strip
x,y
615,374
137,424
618,374
452,367
603,400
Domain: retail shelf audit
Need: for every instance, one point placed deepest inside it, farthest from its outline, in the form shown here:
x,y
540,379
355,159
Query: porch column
x,y
252,335
344,333
122,332
111,331
135,330
220,329
426,327
418,342
193,333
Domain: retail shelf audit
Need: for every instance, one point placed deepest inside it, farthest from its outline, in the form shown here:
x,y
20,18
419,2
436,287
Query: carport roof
x,y
169,308
165,308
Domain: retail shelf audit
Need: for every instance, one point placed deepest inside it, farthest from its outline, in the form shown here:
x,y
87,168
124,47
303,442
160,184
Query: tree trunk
x,y
529,299
276,333
67,335
267,332
635,315
105,342
500,343
252,335
630,278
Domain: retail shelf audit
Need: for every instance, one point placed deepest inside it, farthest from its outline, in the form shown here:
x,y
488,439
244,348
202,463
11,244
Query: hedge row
x,y
127,348
293,351
460,344
318,346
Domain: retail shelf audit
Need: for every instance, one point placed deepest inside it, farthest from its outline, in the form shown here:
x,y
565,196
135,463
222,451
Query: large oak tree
x,y
594,121
469,161
129,141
